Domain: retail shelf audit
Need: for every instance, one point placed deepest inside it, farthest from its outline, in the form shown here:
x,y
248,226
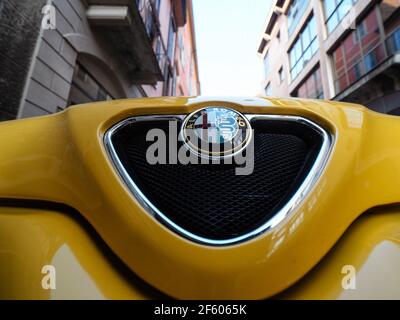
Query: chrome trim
x,y
299,196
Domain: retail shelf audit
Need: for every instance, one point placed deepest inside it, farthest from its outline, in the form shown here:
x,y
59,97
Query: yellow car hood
x,y
62,158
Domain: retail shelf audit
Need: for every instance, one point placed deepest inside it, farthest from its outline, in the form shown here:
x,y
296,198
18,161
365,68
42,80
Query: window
x,y
192,90
335,11
311,88
181,47
304,48
171,39
295,12
370,61
188,74
167,82
360,32
174,80
160,53
281,75
357,70
393,42
358,53
268,90
159,47
157,4
266,65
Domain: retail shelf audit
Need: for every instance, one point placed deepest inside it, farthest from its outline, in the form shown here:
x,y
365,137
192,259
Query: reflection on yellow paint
x,y
73,282
354,117
372,246
31,239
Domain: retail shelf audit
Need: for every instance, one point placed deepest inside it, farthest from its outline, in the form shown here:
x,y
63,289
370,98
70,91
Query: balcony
x,y
130,29
376,70
149,14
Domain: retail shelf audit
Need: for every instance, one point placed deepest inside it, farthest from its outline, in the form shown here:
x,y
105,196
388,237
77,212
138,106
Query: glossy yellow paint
x,y
33,238
61,158
372,246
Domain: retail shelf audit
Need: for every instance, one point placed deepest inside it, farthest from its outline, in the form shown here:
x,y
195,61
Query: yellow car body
x,y
64,204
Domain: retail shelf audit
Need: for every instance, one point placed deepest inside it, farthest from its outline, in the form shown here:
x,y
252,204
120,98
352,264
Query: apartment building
x,y
347,50
58,53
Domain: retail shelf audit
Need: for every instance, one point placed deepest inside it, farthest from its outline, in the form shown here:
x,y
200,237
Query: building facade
x,y
57,53
347,50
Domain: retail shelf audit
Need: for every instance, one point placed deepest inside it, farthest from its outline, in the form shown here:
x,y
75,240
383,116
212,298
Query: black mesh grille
x,y
210,200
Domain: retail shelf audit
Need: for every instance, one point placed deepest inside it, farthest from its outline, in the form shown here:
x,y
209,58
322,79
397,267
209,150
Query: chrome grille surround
x,y
305,188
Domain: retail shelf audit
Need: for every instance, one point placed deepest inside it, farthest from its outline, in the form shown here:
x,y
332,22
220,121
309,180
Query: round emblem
x,y
216,132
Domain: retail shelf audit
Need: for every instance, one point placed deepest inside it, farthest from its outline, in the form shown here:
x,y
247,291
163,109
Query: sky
x,y
227,35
